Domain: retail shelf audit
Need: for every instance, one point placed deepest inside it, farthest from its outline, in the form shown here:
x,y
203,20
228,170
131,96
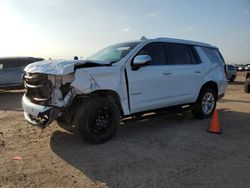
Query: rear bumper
x,y
39,115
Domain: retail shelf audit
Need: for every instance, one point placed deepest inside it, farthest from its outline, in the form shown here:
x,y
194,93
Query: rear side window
x,y
213,54
156,52
179,54
11,64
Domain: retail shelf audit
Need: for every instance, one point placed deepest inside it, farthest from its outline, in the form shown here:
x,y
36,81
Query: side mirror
x,y
141,60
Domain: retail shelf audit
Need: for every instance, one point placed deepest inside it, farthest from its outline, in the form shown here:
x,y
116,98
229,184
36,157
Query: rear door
x,y
187,72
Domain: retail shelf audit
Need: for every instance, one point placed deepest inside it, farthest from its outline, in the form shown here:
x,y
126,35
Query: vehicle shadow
x,y
10,99
148,153
236,83
232,100
66,126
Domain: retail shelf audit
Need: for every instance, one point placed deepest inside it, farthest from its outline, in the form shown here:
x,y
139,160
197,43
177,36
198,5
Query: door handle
x,y
166,73
197,71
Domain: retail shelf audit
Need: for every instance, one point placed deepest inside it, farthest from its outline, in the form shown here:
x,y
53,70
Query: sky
x,y
67,28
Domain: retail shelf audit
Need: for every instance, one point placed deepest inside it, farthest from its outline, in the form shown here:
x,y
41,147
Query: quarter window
x,y
179,54
156,52
213,54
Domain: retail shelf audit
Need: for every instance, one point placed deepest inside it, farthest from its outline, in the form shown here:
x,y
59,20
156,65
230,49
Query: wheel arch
x,y
210,84
110,94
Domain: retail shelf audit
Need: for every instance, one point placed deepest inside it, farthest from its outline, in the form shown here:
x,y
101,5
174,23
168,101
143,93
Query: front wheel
x,y
205,104
97,119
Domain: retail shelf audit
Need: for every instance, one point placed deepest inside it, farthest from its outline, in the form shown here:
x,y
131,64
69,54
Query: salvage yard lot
x,y
169,151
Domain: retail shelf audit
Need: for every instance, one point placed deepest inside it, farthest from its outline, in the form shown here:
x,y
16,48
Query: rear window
x,y
213,54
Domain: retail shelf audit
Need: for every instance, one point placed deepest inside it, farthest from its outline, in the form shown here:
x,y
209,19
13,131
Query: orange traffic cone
x,y
215,126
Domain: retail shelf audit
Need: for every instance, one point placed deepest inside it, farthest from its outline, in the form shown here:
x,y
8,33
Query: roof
x,y
183,41
174,40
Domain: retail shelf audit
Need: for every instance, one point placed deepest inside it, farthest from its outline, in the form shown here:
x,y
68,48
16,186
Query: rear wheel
x,y
97,119
247,86
232,78
205,104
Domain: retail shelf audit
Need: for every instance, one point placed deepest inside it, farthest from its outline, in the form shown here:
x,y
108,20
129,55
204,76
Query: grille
x,y
39,88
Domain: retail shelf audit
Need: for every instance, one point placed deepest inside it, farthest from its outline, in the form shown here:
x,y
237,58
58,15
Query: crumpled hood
x,y
57,67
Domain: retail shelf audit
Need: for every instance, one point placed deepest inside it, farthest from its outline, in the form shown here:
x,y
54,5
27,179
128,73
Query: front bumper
x,y
39,115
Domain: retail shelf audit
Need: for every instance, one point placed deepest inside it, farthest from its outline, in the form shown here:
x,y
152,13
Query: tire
x,y
97,119
60,119
247,86
199,110
232,78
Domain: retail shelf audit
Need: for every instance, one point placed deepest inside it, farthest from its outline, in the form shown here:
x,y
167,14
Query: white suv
x,y
125,79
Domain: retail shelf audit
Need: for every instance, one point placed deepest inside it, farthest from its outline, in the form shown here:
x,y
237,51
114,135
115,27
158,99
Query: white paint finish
x,y
83,82
159,86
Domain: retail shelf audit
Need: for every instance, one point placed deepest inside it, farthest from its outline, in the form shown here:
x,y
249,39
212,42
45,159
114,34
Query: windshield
x,y
113,53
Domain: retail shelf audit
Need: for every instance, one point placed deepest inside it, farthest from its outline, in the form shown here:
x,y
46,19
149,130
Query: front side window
x,y
113,53
179,54
156,52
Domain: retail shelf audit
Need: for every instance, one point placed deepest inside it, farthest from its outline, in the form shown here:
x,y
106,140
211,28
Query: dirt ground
x,y
169,151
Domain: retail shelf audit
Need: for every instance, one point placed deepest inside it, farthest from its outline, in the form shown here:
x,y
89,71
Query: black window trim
x,y
162,43
192,47
196,55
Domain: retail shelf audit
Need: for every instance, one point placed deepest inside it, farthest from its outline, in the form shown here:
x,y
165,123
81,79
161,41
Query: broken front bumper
x,y
39,115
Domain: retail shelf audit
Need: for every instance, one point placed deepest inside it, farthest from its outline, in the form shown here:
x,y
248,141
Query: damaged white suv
x,y
122,80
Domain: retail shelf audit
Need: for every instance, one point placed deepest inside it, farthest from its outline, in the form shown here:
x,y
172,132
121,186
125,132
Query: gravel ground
x,y
169,151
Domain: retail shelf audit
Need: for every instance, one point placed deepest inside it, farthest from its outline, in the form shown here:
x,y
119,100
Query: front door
x,y
151,86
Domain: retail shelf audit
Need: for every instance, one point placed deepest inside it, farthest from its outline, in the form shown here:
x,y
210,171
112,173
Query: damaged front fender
x,y
84,82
